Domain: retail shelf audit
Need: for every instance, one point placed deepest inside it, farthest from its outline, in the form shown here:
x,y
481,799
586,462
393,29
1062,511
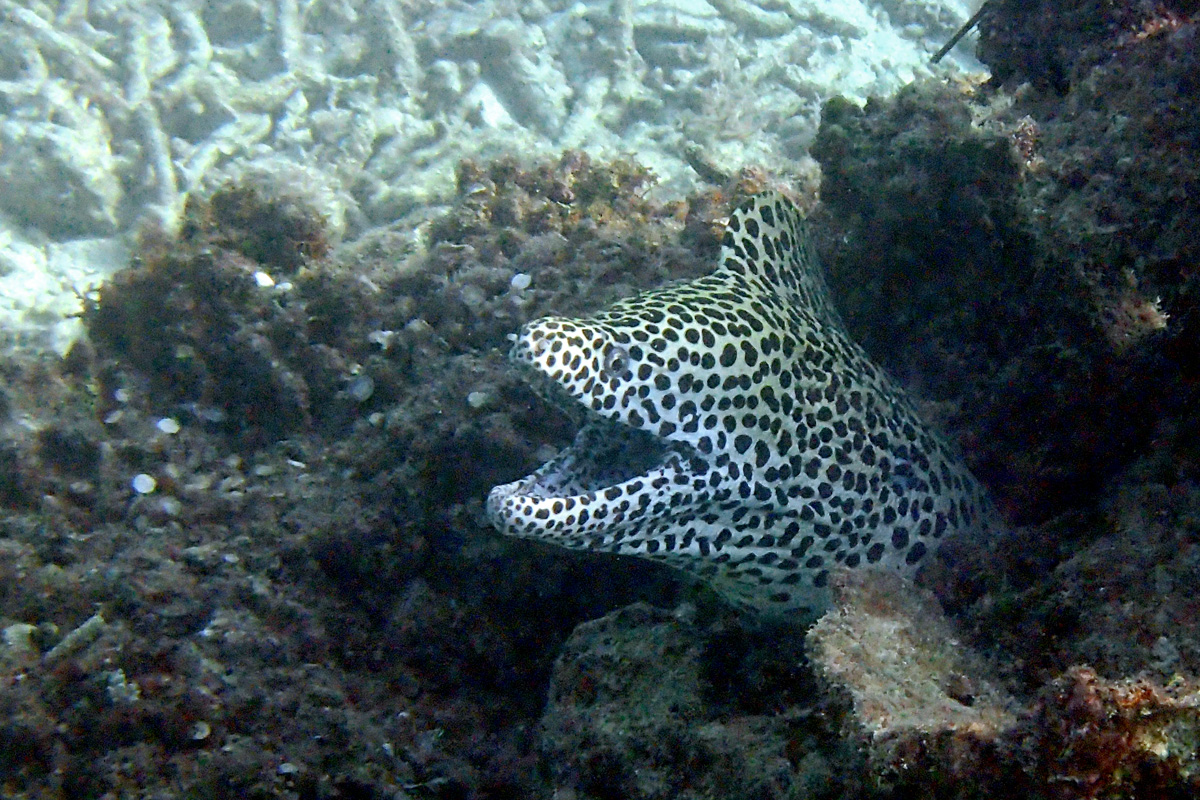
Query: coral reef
x,y
1116,739
242,548
645,703
279,461
112,114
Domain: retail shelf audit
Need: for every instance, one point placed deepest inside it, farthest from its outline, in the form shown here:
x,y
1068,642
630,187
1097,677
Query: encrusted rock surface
x,y
892,650
640,706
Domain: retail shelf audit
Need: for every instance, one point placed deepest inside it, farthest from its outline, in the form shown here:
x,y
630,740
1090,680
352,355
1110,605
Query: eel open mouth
x,y
611,476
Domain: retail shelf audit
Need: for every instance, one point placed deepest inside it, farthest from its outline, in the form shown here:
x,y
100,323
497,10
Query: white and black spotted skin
x,y
736,432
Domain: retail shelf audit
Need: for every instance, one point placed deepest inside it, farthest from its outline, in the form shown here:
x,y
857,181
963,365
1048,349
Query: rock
x,y
631,714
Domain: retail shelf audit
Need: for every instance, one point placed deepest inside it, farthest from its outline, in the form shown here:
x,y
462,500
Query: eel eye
x,y
616,361
538,345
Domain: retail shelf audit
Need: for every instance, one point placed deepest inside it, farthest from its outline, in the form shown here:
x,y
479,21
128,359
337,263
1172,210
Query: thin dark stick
x,y
963,31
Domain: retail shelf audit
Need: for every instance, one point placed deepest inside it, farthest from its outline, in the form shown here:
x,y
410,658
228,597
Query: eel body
x,y
732,429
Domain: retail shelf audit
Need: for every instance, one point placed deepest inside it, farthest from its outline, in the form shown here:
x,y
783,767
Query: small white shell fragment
x,y
361,388
521,281
383,338
418,325
168,425
478,400
143,483
263,279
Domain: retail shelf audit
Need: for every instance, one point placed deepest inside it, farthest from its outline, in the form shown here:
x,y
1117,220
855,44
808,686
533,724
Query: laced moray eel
x,y
733,430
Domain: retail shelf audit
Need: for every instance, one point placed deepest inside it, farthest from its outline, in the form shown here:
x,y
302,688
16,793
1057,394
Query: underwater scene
x,y
600,400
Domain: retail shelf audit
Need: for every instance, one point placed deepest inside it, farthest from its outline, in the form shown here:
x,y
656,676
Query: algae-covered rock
x,y
1051,43
639,707
952,274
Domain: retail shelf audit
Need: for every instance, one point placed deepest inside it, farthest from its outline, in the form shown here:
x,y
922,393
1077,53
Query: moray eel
x,y
733,430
